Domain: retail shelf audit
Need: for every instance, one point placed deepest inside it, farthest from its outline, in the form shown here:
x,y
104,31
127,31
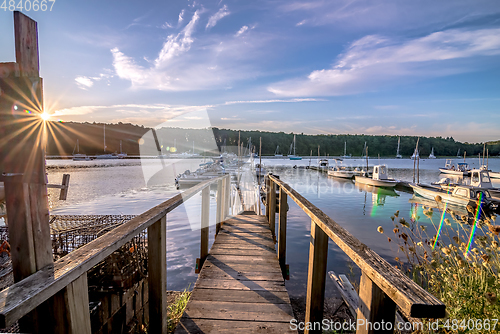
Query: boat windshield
x,y
486,194
382,170
485,178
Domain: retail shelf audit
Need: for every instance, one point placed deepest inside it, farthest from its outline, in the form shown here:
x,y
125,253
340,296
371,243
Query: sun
x,y
45,116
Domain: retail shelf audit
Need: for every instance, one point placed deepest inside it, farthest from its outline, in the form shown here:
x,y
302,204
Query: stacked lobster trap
x,y
121,269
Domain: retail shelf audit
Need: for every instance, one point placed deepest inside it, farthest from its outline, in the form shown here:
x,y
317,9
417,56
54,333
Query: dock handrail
x,y
71,270
382,286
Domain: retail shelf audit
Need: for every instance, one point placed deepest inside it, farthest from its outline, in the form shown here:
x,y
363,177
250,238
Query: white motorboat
x,y
432,156
458,195
378,179
344,172
277,152
415,155
323,163
461,168
480,178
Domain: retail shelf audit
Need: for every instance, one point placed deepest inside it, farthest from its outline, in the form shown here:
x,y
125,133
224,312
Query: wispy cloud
x,y
242,30
84,82
212,21
374,60
181,16
274,101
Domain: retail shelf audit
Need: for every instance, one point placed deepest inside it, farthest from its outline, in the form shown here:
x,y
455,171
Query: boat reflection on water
x,y
379,194
457,212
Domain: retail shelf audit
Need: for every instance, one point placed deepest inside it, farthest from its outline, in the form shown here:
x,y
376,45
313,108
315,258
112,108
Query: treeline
x,y
333,145
63,136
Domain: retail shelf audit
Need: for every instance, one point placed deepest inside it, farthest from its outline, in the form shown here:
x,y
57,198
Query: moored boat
x,y
432,156
378,179
461,168
293,156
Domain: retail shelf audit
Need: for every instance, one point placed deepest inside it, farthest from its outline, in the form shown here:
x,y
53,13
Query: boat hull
x,y
432,192
342,174
295,158
388,183
453,172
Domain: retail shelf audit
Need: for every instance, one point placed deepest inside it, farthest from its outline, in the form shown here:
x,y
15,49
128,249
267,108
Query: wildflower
x,y
396,213
380,229
389,239
438,199
420,244
446,250
392,217
396,230
403,222
495,229
411,249
494,244
423,228
470,208
464,218
404,236
447,222
428,213
456,239
397,259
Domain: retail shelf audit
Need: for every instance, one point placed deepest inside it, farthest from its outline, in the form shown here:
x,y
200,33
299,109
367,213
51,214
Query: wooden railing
x,y
382,286
66,281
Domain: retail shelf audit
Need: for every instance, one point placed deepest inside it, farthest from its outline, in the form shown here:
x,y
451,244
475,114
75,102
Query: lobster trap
x,y
121,269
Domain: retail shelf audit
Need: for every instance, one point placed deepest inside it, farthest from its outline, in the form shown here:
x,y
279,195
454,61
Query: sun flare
x,y
45,116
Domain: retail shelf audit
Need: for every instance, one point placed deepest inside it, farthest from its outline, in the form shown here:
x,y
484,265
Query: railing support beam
x,y
157,276
316,277
272,208
218,215
282,232
375,307
205,215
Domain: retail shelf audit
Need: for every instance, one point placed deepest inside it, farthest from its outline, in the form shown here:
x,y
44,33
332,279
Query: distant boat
x,y
432,156
398,156
415,155
276,153
364,152
345,156
458,154
106,156
121,155
293,156
79,156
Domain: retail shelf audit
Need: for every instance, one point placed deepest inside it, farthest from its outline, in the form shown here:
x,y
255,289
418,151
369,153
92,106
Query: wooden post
x,y
71,309
64,189
223,200
205,215
268,192
272,208
22,161
157,276
218,212
282,232
375,308
316,277
228,196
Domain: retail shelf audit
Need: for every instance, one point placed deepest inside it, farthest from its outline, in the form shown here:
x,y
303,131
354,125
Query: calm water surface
x,y
120,187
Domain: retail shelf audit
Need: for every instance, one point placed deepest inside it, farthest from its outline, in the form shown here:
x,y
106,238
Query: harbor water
x,y
110,187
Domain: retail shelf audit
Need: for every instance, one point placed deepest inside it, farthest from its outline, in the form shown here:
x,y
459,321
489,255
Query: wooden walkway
x,y
240,287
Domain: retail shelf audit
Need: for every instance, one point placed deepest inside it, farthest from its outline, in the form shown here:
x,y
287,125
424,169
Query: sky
x,y
396,67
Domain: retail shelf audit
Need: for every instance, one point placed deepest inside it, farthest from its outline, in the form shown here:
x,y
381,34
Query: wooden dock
x,y
240,287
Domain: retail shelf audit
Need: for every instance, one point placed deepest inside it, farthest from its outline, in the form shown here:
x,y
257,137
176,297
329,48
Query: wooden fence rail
x,y
382,286
70,272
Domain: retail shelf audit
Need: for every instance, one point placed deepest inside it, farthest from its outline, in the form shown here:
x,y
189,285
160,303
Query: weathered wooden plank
x,y
9,69
244,252
346,291
20,298
374,307
157,276
26,39
205,215
272,207
208,326
239,311
242,266
316,276
214,272
218,213
240,285
244,245
412,299
242,296
232,259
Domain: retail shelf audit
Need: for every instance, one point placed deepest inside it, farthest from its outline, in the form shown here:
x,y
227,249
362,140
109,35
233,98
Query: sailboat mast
x,y
345,149
294,137
104,138
399,139
77,146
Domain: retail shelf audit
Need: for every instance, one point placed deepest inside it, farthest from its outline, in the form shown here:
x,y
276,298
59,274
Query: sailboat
x,y
276,153
79,156
345,156
364,152
458,154
121,155
432,156
293,156
398,156
106,155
